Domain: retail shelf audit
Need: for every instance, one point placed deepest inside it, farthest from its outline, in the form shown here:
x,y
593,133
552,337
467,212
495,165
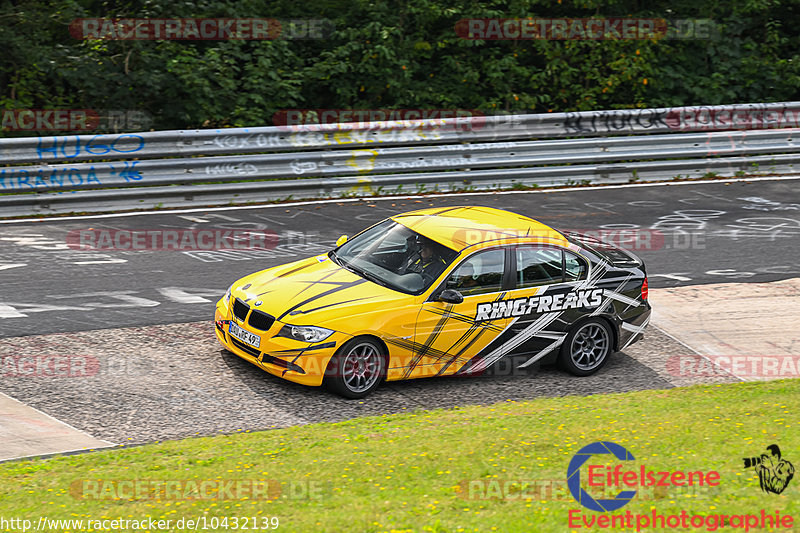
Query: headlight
x,y
305,333
228,295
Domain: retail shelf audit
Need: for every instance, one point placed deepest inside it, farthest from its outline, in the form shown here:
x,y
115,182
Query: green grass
x,y
410,471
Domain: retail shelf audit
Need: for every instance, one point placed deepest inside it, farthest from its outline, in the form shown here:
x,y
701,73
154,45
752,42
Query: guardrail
x,y
131,171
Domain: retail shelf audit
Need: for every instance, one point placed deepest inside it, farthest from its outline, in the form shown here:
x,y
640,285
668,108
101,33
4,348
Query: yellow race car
x,y
437,292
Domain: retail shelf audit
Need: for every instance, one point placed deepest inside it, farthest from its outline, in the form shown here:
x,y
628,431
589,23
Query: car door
x,y
448,335
548,279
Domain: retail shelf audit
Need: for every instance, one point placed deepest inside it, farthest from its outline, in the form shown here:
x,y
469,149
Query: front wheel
x,y
586,348
357,368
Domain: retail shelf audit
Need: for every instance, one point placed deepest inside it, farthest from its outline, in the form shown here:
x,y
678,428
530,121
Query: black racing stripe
x,y
481,328
422,350
457,356
414,346
299,312
287,273
434,353
498,340
288,352
437,329
296,357
461,317
296,269
315,347
301,351
343,286
484,327
261,294
311,283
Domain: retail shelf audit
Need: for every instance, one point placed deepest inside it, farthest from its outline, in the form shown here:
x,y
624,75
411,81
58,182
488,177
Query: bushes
x,y
382,56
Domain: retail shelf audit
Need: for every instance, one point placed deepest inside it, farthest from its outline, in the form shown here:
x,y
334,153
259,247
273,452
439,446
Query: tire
x,y
357,368
586,348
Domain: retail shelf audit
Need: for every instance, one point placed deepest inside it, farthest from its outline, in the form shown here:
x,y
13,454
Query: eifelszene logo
x,y
774,472
634,477
574,476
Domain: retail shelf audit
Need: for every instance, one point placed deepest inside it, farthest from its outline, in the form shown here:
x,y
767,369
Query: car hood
x,y
313,290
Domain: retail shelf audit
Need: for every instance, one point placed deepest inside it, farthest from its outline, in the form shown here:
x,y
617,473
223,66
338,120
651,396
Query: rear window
x,y
539,266
574,267
614,255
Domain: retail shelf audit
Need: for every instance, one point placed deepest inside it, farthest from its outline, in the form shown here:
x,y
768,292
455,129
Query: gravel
x,y
172,381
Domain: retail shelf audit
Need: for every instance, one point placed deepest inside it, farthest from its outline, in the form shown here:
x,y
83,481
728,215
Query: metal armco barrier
x,y
184,168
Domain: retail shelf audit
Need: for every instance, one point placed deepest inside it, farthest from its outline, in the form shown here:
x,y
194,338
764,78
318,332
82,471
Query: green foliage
x,y
385,54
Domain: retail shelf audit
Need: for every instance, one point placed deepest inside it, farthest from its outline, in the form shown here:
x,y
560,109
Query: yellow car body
x,y
419,335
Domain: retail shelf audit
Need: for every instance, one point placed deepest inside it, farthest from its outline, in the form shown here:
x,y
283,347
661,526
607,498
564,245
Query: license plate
x,y
245,336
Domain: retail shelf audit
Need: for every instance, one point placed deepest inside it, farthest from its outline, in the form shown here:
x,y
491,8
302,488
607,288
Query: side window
x,y
538,266
575,267
481,273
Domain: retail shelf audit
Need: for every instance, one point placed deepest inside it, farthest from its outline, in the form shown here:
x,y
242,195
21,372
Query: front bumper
x,y
297,361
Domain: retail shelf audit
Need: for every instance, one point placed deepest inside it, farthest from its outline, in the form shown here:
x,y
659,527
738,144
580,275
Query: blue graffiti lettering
x,y
23,178
40,181
129,172
67,148
47,179
57,180
92,177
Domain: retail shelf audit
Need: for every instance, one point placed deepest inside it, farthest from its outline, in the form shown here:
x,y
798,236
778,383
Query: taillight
x,y
644,289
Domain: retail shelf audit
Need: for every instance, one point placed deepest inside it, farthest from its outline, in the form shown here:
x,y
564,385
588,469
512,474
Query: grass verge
x,y
464,469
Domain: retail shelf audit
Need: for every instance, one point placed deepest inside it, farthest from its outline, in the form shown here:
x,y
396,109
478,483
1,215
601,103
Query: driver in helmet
x,y
427,261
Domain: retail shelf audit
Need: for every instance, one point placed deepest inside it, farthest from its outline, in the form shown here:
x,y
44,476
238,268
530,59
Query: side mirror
x,y
450,296
341,240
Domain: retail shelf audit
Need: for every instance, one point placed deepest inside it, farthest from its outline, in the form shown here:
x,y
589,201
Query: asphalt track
x,y
143,318
712,232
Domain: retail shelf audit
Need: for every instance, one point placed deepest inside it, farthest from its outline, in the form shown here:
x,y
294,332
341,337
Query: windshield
x,y
394,256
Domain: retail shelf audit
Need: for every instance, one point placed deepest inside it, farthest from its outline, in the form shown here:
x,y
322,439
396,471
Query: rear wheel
x,y
586,348
357,368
